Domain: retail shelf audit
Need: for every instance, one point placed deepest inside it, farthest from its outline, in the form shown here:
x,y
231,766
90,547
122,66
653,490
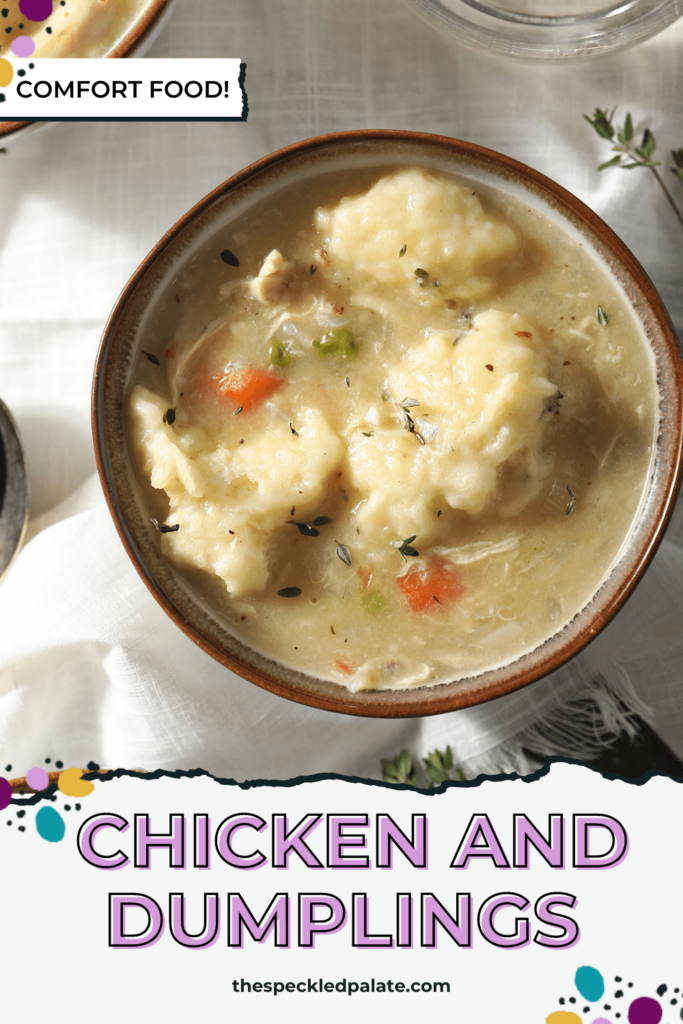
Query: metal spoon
x,y
14,491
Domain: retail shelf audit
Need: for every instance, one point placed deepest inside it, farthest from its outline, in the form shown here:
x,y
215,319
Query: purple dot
x,y
5,794
36,10
37,779
23,46
644,1011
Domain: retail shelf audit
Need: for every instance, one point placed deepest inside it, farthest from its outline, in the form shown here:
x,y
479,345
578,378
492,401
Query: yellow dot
x,y
6,72
563,1017
71,784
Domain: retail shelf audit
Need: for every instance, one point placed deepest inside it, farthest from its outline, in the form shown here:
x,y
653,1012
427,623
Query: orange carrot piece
x,y
365,576
343,666
247,386
436,585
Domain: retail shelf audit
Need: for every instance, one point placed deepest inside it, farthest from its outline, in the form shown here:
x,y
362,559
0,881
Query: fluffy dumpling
x,y
446,233
479,402
226,502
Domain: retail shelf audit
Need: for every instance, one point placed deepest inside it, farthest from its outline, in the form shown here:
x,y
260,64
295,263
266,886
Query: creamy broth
x,y
77,28
390,435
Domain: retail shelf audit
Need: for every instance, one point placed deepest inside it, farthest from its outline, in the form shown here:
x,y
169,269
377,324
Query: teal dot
x,y
50,824
590,983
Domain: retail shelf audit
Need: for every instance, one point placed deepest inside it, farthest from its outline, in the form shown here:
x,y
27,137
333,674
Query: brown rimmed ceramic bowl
x,y
142,299
14,491
134,43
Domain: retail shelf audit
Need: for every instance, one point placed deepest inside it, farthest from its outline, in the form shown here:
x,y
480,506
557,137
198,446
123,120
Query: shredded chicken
x,y
276,274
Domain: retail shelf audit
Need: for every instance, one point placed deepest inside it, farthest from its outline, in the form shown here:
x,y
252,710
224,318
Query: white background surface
x,y
89,666
628,930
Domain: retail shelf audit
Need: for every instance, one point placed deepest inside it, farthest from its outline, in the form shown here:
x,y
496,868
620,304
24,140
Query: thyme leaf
x,y
405,548
553,406
343,552
305,529
229,257
677,155
163,528
399,770
408,421
603,316
402,251
438,767
152,358
570,504
289,592
629,156
321,520
602,122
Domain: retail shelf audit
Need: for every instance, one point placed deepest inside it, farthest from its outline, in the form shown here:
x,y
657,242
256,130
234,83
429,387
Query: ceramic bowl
x,y
135,43
151,286
14,491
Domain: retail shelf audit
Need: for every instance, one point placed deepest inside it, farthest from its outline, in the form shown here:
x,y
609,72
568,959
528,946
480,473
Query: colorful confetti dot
x,y
71,784
5,794
23,46
563,1017
644,1011
6,72
36,10
590,983
601,1020
50,824
37,779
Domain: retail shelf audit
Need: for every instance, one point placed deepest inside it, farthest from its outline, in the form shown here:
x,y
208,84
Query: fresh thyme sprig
x,y
677,154
437,766
399,770
630,155
404,548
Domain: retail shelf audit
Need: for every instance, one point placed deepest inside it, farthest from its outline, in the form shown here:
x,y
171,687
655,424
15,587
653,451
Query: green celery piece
x,y
340,341
279,355
373,601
